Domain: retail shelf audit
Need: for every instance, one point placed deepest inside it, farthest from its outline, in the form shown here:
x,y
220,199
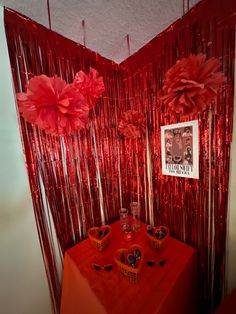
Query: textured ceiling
x,y
107,22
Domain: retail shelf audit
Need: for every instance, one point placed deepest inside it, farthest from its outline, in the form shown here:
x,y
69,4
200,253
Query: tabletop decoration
x,y
129,262
191,85
157,236
128,233
152,263
99,236
107,267
135,211
124,218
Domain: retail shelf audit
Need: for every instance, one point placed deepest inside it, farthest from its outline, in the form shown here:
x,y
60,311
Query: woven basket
x,y
99,244
128,272
155,243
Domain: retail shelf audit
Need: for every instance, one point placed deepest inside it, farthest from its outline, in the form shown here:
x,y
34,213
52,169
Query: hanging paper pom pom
x,y
132,124
53,105
90,86
191,85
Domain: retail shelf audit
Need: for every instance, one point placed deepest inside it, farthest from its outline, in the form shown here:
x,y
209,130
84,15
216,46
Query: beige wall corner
x,y
231,233
23,286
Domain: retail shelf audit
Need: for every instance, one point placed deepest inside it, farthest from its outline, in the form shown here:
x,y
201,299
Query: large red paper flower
x,y
53,105
90,86
191,85
132,124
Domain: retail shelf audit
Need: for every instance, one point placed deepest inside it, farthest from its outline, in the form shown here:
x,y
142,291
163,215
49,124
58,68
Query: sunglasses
x,y
105,268
102,233
158,233
132,259
152,263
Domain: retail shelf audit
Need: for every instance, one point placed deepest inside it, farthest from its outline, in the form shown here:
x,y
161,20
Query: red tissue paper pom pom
x,y
90,86
53,105
192,84
132,124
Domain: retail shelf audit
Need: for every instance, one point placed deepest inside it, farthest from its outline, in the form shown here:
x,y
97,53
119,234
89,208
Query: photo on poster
x,y
179,149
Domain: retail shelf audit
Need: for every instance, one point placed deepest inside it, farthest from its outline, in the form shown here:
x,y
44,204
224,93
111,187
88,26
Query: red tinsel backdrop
x,y
194,210
82,180
73,179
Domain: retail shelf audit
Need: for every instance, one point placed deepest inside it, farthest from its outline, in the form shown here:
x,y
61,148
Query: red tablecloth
x,y
170,289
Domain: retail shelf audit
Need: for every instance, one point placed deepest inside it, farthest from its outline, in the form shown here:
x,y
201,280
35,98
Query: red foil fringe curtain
x,y
82,180
73,179
194,210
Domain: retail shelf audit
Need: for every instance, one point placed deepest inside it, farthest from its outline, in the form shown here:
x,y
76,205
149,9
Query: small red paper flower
x,y
90,86
132,124
53,105
192,84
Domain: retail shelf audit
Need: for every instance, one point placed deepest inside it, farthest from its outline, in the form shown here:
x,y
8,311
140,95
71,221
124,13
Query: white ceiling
x,y
107,22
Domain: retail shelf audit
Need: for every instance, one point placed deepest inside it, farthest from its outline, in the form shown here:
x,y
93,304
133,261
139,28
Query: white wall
x,y
231,239
23,286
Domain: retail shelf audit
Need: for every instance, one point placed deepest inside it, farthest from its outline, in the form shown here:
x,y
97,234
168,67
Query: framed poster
x,y
179,149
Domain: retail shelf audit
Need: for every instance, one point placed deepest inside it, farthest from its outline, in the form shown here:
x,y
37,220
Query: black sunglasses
x,y
105,268
152,263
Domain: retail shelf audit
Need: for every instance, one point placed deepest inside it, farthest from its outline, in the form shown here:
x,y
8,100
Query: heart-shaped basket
x,y
99,236
158,236
131,273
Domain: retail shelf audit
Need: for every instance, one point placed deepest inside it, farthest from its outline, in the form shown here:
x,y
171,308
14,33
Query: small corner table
x,y
168,289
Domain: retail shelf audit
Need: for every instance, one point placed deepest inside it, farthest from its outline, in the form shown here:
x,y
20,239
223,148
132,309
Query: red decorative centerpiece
x,y
157,236
129,262
99,236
